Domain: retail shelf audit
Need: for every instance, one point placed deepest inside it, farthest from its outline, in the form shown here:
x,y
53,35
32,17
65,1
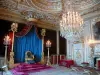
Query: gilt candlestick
x,y
6,43
48,45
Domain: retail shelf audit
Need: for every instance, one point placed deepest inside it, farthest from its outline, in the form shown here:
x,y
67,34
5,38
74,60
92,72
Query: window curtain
x,y
29,42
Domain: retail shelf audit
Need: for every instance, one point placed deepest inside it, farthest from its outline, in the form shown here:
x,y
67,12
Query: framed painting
x,y
96,29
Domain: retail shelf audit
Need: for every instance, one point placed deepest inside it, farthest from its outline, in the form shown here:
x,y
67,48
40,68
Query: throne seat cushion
x,y
31,62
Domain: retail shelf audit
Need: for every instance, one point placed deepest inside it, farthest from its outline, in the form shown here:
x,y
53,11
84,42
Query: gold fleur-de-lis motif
x,y
14,27
43,31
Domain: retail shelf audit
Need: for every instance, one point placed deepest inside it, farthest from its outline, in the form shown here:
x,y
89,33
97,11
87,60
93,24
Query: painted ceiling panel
x,y
48,11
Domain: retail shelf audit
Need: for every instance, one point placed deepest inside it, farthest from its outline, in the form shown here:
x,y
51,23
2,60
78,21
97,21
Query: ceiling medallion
x,y
51,6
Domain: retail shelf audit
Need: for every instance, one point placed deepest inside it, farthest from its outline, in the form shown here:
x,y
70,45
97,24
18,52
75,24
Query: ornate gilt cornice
x,y
91,12
6,14
13,10
47,25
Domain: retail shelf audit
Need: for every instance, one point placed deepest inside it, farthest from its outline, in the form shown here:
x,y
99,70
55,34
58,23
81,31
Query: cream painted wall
x,y
82,52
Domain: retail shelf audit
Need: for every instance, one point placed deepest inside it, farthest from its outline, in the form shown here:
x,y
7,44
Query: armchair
x,y
29,57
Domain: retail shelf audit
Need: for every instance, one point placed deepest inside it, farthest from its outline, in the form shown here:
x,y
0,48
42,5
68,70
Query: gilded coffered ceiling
x,y
46,12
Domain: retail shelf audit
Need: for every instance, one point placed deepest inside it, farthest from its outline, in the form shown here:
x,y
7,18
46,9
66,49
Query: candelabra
x,y
48,45
6,43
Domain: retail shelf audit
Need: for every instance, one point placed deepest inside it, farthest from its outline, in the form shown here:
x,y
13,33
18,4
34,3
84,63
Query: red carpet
x,y
24,69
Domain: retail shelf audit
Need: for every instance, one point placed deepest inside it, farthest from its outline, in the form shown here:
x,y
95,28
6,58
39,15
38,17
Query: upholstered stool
x,y
85,64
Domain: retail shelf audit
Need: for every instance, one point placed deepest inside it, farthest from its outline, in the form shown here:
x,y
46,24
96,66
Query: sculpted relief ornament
x,y
97,50
46,10
43,31
14,27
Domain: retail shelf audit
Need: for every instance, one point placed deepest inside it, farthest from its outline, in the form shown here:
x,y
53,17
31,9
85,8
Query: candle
x,y
48,44
7,40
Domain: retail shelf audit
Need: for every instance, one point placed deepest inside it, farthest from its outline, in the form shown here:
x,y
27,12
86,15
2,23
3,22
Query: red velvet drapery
x,y
10,46
26,29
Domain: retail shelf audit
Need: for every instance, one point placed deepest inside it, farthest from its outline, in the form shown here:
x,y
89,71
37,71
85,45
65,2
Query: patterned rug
x,y
56,70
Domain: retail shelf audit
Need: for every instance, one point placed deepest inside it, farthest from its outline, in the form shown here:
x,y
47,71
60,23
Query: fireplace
x,y
95,60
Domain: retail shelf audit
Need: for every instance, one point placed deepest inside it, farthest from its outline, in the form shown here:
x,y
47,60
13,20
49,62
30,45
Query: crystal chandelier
x,y
71,22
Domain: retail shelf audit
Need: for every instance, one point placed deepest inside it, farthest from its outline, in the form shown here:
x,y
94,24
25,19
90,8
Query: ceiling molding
x,y
92,13
90,10
47,25
13,11
11,16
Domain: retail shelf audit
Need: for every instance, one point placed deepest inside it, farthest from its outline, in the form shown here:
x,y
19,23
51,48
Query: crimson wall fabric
x,y
10,46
